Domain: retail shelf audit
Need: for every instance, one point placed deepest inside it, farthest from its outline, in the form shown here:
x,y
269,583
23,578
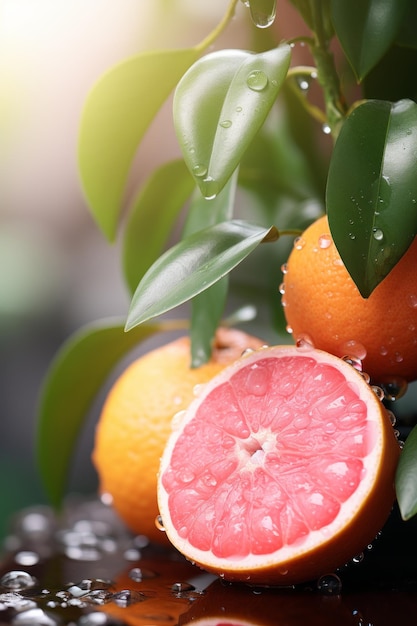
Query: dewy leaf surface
x,y
152,218
405,480
75,377
219,106
371,194
193,265
366,29
118,111
208,306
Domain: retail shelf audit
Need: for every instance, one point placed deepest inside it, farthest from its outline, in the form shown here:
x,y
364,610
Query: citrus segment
x,y
321,300
281,468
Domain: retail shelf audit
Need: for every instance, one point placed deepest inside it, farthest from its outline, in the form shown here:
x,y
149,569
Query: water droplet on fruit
x,y
358,558
159,523
354,361
284,268
263,13
366,377
289,329
282,289
304,342
394,387
198,388
353,348
257,80
177,419
325,241
378,392
247,351
383,351
181,587
299,243
412,300
199,170
329,585
398,357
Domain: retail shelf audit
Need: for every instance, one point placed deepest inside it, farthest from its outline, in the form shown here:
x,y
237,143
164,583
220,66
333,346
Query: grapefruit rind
x,y
329,546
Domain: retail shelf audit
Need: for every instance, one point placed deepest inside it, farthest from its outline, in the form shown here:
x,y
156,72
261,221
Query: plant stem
x,y
302,71
216,32
326,71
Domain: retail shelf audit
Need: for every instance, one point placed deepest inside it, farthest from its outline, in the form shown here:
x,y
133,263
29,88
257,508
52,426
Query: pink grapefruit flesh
x,y
282,468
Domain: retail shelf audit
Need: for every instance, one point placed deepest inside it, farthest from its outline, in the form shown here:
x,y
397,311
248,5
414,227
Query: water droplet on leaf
x,y
257,80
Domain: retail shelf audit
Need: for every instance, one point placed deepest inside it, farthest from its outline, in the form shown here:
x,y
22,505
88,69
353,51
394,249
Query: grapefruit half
x,y
281,470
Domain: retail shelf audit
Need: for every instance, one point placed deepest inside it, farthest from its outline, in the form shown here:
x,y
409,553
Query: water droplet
x,y
199,170
383,351
366,377
282,289
329,585
284,268
378,392
289,329
378,234
257,80
181,587
299,243
210,188
159,523
177,419
352,236
412,300
325,241
17,580
239,109
139,573
127,597
263,12
36,616
394,387
353,348
303,83
26,558
304,342
353,361
358,558
326,129
398,357
226,124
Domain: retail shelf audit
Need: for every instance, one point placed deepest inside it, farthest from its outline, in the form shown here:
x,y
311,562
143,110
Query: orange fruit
x,y
135,422
321,300
281,470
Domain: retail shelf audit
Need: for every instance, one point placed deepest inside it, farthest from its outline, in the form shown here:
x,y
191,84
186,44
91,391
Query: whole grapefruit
x,y
321,301
135,422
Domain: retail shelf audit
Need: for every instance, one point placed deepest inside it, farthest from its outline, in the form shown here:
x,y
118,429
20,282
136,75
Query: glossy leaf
x,y
207,307
405,480
219,106
371,193
77,373
117,114
366,29
152,218
193,265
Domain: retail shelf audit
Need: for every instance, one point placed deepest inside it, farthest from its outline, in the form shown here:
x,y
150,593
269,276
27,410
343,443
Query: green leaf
x,y
366,29
406,477
207,307
118,111
193,265
152,218
219,106
371,192
74,378
407,35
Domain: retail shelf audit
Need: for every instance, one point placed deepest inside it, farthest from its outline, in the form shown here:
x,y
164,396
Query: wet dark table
x,y
87,570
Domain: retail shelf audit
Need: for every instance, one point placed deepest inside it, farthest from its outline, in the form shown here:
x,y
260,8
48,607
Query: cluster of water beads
x,y
36,537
